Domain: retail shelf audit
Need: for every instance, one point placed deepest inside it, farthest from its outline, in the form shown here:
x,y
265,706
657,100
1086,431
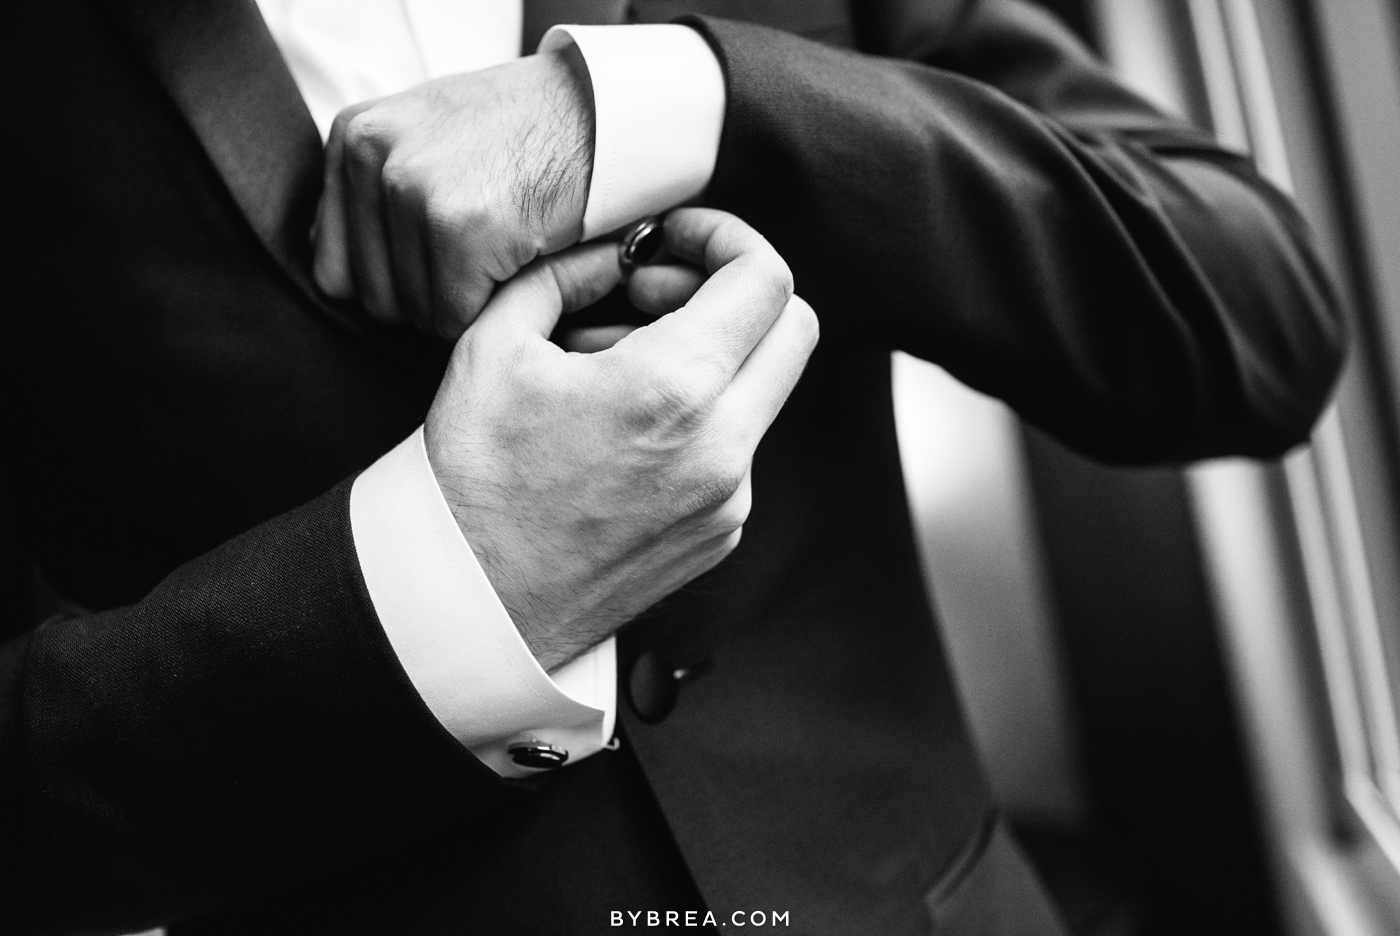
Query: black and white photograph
x,y
572,467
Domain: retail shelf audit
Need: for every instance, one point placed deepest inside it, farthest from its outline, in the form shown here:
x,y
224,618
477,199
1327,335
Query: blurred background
x,y
1184,682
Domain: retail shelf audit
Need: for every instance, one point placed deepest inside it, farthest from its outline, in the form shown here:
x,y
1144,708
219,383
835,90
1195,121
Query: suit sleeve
x,y
985,195
243,726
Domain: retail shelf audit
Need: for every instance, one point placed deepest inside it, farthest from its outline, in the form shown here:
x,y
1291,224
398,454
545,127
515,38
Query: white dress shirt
x,y
659,105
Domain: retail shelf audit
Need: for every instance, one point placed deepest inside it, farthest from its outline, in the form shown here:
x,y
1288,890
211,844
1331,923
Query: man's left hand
x,y
435,195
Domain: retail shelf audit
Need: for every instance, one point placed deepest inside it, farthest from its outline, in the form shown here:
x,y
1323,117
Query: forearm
x,y
245,725
1108,272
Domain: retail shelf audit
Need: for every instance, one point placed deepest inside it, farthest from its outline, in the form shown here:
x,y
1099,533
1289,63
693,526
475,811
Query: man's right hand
x,y
592,485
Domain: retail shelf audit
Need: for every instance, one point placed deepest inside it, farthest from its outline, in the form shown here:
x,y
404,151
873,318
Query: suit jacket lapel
x,y
221,67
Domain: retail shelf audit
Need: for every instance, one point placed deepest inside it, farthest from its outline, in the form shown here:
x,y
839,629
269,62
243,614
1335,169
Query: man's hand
x,y
434,196
593,485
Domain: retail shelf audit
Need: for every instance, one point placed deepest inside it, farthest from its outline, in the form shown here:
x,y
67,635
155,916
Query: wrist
x,y
553,195
472,516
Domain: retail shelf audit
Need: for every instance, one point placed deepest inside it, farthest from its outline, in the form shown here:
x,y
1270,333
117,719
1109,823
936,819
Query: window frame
x,y
1306,582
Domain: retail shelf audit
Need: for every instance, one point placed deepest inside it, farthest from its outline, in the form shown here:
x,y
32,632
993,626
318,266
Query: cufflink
x,y
537,755
640,244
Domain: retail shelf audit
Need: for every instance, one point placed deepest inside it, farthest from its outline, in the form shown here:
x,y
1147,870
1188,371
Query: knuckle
x,y
770,277
709,490
450,217
443,216
726,240
734,512
780,278
398,176
721,489
533,388
668,397
362,136
731,466
706,499
777,286
341,125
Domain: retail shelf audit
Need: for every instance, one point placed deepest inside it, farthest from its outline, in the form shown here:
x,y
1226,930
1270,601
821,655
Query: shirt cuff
x,y
658,97
451,633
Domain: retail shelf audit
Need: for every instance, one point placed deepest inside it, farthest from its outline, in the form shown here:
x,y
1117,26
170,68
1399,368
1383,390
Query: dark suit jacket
x,y
231,733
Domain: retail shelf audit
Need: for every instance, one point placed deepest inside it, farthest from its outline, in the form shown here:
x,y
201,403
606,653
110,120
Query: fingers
x,y
734,308
660,290
331,235
409,270
654,290
355,254
762,385
710,238
548,288
596,338
370,261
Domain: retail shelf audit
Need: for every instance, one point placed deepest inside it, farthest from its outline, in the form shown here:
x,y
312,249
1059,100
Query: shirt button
x,y
651,687
537,755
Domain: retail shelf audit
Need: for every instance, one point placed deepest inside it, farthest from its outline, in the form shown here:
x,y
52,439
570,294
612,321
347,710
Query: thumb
x,y
552,286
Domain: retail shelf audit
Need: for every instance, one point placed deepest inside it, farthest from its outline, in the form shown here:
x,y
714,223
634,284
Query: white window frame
x,y
1302,556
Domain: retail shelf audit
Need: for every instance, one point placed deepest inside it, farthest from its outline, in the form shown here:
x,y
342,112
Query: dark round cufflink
x,y
641,243
537,755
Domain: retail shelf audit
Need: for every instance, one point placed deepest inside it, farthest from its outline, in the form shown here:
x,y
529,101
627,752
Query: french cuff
x,y
453,636
658,97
